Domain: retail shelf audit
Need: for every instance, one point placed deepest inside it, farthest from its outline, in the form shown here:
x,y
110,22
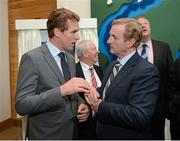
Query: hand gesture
x,y
75,85
92,99
83,112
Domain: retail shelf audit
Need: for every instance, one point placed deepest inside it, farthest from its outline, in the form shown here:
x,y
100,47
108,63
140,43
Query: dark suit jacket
x,y
164,62
50,114
87,129
129,102
175,97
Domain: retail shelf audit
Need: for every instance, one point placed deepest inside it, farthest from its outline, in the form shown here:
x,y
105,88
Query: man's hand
x,y
92,96
95,107
92,99
75,85
83,112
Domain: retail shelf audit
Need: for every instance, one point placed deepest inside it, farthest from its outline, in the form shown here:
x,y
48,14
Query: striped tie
x,y
93,79
143,52
115,70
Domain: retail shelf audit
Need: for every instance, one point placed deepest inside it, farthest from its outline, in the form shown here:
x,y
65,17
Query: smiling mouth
x,y
74,44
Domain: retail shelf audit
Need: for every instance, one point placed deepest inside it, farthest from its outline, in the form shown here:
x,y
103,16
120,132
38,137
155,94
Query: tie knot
x,y
117,65
61,55
144,45
91,68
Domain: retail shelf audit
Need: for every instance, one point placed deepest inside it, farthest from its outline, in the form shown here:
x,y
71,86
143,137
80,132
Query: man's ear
x,y
85,54
57,32
131,42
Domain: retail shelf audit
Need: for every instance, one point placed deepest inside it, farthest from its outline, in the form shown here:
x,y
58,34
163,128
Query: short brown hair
x,y
141,17
58,19
132,29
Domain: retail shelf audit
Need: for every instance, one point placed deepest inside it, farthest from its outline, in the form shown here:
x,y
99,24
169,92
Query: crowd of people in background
x,y
68,100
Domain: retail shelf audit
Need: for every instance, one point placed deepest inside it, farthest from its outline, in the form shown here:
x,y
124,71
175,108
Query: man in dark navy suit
x,y
87,53
127,97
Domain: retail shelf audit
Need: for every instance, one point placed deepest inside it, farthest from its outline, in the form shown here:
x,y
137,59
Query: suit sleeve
x,y
141,102
28,99
168,81
174,102
176,83
169,69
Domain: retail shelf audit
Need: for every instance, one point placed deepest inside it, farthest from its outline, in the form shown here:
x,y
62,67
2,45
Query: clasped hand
x,y
92,99
83,112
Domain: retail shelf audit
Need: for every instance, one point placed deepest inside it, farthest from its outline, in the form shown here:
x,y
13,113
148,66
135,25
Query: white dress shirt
x,y
149,50
123,60
87,74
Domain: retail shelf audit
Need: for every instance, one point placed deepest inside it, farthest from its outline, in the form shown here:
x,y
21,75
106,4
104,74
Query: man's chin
x,y
111,51
71,48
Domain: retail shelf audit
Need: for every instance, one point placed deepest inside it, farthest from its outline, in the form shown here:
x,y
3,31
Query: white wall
x,y
81,7
5,103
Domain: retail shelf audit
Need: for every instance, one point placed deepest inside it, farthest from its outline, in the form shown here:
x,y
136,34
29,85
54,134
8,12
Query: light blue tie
x,y
143,52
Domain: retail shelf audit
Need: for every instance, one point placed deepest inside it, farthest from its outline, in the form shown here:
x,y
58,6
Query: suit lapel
x,y
123,73
79,70
71,64
52,63
107,75
154,51
98,71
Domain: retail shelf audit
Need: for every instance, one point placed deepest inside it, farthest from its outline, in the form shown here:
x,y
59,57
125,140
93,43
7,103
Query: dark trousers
x,y
175,130
87,129
157,126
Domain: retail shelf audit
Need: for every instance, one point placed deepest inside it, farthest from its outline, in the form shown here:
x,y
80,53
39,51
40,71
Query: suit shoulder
x,y
160,43
70,56
33,52
147,65
97,67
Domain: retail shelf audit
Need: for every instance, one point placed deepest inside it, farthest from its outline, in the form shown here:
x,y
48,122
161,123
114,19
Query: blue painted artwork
x,y
132,9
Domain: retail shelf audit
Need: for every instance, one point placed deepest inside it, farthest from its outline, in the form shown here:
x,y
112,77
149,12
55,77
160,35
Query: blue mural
x,y
178,53
132,9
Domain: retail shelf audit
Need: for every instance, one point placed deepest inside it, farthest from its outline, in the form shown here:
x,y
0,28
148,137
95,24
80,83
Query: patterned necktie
x,y
115,70
93,79
65,67
143,52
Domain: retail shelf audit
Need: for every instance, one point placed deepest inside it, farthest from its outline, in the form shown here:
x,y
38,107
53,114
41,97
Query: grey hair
x,y
81,47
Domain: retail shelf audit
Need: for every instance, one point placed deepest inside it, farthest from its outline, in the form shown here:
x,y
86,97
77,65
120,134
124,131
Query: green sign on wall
x,y
162,14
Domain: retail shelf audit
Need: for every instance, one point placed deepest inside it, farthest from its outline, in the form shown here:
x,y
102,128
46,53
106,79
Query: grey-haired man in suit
x,y
159,54
46,91
87,52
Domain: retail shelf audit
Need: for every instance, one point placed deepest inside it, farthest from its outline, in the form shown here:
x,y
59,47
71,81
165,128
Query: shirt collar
x,y
84,66
148,43
123,60
53,49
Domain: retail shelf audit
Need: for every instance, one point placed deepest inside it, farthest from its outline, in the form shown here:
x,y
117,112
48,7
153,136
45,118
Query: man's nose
x,y
77,36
